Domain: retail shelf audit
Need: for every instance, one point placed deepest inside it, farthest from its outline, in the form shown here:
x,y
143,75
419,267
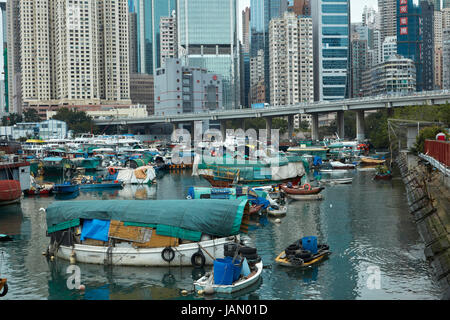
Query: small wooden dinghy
x,y
306,189
3,287
337,181
372,161
240,284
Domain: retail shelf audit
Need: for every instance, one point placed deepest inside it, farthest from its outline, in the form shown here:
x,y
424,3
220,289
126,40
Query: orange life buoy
x,y
112,171
307,184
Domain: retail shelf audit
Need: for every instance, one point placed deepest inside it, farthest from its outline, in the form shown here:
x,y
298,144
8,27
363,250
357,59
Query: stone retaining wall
x,y
429,204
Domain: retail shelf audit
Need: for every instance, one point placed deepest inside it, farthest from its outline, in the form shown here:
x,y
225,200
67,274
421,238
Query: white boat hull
x,y
129,256
241,284
305,197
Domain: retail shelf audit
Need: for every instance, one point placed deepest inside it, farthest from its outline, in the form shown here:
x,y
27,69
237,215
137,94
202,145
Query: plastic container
x,y
223,272
245,271
236,267
310,244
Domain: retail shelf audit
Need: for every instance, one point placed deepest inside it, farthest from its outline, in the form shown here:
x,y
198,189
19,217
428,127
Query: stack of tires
x,y
297,255
249,253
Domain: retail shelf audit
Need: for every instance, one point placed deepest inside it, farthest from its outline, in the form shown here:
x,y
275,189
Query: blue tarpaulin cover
x,y
95,229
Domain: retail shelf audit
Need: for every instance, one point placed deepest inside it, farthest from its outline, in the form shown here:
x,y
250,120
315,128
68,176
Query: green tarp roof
x,y
215,217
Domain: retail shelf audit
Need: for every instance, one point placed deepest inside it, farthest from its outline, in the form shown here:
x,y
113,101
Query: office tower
x,y
257,78
3,63
262,11
168,40
208,39
331,23
359,64
149,13
245,58
446,59
437,4
291,60
71,53
301,7
184,89
428,46
388,18
13,56
445,4
132,26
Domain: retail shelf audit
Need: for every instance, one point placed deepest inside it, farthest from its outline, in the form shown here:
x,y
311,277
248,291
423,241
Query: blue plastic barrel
x,y
223,272
236,267
310,244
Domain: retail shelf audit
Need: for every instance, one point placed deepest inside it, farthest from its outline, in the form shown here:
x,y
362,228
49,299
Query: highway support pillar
x,y
315,126
360,126
268,125
290,127
340,124
223,129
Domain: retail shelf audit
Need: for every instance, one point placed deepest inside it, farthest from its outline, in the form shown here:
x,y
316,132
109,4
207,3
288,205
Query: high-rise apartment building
x,y
132,27
13,56
300,7
71,53
262,11
4,108
208,39
257,78
168,40
446,59
389,47
331,23
291,60
388,18
149,13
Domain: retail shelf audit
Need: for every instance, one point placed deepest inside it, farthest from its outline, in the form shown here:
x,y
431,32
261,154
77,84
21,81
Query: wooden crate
x,y
130,233
93,242
157,241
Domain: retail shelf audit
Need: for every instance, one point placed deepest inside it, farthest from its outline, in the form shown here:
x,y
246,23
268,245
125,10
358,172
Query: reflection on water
x,y
366,224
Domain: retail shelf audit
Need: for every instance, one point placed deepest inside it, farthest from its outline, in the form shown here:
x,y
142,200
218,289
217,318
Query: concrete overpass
x,y
359,105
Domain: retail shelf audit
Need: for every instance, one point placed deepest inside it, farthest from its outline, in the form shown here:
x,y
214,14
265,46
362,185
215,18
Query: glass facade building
x,y
207,38
331,30
149,13
415,39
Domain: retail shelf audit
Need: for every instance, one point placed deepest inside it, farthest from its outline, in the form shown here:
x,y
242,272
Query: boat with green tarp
x,y
230,171
146,232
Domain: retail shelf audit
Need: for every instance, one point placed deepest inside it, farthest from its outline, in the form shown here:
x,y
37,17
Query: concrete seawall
x,y
428,196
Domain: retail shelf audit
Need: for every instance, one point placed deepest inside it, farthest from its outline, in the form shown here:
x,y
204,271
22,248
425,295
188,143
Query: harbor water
x,y
377,252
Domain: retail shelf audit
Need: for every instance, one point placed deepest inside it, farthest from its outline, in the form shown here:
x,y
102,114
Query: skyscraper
x,y
208,39
168,38
415,39
291,60
149,13
262,11
388,18
70,53
331,22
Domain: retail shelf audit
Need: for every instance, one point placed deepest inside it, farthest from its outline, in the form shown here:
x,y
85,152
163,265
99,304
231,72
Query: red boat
x,y
304,190
42,192
10,191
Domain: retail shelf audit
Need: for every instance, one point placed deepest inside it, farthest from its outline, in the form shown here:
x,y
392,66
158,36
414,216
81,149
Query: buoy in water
x,y
184,292
278,220
82,287
52,258
200,292
209,290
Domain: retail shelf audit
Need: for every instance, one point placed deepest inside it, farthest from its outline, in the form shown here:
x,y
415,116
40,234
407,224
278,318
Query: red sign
x,y
403,30
403,9
404,21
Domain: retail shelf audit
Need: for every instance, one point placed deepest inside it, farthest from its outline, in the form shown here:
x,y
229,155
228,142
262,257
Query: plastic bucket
x,y
236,267
310,244
223,272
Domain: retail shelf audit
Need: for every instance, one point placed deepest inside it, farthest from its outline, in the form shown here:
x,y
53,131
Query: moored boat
x,y
145,233
303,253
277,212
10,192
371,161
306,189
305,197
243,282
65,188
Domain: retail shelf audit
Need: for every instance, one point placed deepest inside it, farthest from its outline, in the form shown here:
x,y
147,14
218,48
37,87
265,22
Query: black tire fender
x,y
195,259
247,250
168,254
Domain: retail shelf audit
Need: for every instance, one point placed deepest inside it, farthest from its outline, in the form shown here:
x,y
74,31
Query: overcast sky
x,y
357,7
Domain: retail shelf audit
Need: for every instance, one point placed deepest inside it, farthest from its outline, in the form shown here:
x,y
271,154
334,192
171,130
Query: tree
x,y
31,115
424,134
11,119
78,121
